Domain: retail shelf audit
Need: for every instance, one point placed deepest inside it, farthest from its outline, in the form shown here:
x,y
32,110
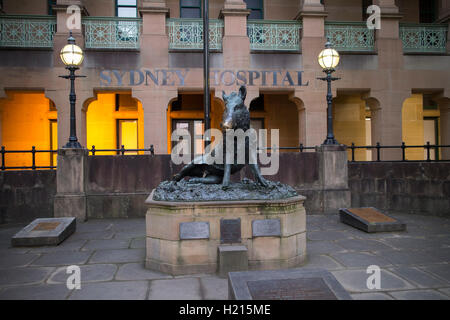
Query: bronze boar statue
x,y
236,116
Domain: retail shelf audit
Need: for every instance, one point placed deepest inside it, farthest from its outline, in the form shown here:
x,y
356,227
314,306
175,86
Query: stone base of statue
x,y
187,237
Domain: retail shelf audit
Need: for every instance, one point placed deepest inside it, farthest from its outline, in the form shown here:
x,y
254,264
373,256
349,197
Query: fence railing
x,y
272,35
423,38
27,31
350,36
403,147
33,152
121,151
112,32
187,34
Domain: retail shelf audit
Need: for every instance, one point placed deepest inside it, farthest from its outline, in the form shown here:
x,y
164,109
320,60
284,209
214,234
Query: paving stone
x,y
408,257
107,244
9,260
39,292
371,296
117,290
445,291
19,276
356,281
362,245
138,243
129,225
359,259
88,273
410,243
68,245
100,235
419,295
176,289
322,261
443,254
214,288
94,226
118,256
131,234
63,258
418,277
441,270
326,235
137,271
322,247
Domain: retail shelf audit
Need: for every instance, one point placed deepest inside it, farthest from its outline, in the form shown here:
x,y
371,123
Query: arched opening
x,y
28,118
420,125
276,111
352,123
187,112
113,120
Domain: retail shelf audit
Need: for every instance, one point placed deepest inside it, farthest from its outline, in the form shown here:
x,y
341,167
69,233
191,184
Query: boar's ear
x,y
243,92
224,96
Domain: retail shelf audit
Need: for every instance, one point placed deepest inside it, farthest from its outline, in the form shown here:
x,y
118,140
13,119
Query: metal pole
x,y
73,140
206,94
330,135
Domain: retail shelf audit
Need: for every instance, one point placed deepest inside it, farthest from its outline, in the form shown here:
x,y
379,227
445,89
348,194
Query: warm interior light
x,y
328,58
72,55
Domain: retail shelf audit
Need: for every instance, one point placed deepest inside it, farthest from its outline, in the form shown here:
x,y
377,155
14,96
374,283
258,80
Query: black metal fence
x,y
301,148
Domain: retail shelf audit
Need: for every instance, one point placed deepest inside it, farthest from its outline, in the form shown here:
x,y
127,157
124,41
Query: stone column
x,y
333,165
71,180
155,52
313,114
387,39
155,103
387,117
236,44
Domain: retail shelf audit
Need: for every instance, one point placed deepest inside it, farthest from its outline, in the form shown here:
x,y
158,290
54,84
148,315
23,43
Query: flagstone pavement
x,y
414,264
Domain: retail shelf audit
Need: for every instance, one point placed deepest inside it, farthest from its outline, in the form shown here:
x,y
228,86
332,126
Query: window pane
x,y
190,13
254,4
190,3
255,14
127,12
126,2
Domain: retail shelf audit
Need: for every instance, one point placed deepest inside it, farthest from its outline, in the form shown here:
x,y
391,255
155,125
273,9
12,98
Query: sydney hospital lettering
x,y
179,77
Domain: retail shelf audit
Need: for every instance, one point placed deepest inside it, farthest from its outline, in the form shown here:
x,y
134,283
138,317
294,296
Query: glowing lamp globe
x,y
328,58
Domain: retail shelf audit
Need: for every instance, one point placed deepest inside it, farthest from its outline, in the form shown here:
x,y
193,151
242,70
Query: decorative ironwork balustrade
x,y
423,38
187,34
27,31
270,35
112,33
350,36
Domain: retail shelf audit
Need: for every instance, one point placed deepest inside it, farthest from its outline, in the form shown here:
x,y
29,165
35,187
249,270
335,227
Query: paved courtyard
x,y
414,264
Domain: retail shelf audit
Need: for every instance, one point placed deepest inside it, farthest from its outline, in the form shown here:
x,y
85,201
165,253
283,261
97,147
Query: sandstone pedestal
x,y
195,250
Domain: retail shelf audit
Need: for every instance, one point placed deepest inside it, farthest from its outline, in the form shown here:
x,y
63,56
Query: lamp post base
x,y
73,145
330,141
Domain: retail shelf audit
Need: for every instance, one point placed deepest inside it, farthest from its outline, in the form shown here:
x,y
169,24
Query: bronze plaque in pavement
x,y
230,230
371,215
46,226
291,289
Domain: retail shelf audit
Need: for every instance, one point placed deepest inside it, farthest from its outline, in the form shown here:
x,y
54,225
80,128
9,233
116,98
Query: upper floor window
x,y
256,7
428,11
51,3
190,9
126,8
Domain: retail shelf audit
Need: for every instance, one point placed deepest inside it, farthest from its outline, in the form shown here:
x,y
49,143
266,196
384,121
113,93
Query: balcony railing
x,y
270,35
424,38
350,36
27,31
187,34
112,33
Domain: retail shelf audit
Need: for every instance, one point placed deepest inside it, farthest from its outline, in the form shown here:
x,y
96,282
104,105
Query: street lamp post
x,y
328,60
72,56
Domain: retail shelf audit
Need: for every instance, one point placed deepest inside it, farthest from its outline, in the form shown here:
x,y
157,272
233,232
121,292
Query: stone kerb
x,y
168,253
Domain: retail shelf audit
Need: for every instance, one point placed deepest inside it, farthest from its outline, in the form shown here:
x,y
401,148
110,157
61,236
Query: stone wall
x,y
26,195
416,187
